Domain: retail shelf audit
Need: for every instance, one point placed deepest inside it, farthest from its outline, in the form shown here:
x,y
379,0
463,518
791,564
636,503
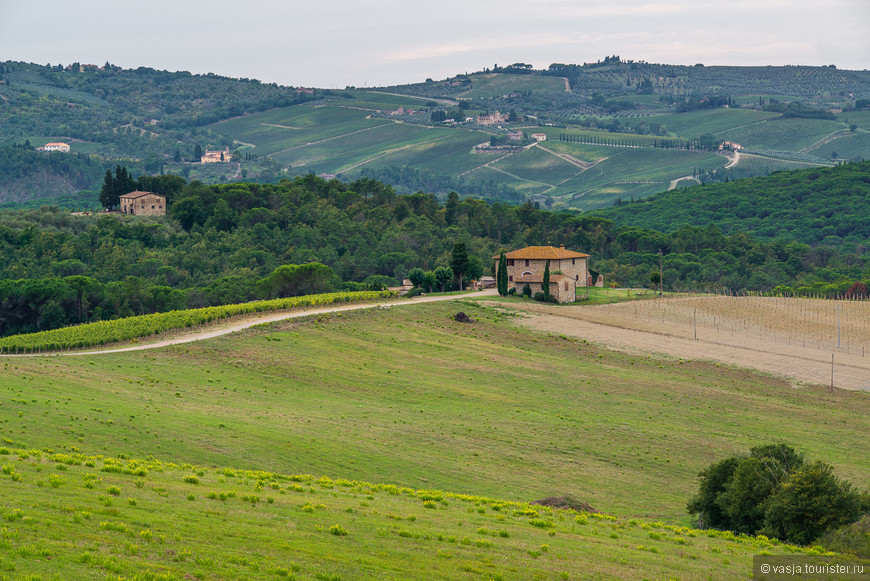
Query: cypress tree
x,y
546,284
107,192
501,275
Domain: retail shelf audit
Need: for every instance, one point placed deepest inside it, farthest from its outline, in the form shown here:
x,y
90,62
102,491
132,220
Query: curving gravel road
x,y
219,329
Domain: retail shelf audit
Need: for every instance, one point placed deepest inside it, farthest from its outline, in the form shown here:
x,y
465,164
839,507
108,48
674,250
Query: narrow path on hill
x,y
734,160
673,184
827,139
389,152
319,141
247,322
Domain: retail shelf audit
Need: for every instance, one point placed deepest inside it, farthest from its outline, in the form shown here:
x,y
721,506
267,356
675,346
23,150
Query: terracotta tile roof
x,y
134,195
543,253
540,279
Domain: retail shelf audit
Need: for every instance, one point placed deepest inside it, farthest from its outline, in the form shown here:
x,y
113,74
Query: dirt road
x,y
642,327
239,324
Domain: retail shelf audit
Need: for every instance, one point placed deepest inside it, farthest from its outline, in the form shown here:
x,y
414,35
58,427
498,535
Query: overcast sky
x,y
335,43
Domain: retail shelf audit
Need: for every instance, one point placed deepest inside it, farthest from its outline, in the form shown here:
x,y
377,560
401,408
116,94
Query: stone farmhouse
x,y
568,270
143,204
216,156
493,119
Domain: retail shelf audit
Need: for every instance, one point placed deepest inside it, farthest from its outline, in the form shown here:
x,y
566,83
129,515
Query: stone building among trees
x,y
216,156
143,204
568,270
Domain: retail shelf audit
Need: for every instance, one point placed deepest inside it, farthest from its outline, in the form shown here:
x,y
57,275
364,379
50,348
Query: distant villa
x,y
55,147
493,119
216,156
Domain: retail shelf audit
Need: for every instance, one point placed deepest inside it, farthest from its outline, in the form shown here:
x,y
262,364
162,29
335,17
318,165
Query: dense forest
x,y
220,241
823,207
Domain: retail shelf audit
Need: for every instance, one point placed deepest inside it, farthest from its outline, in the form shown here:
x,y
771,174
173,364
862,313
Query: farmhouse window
x,y
566,285
527,261
510,262
572,261
510,278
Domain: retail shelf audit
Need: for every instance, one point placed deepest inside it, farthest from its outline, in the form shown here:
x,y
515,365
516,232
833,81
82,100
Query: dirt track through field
x,y
790,338
248,321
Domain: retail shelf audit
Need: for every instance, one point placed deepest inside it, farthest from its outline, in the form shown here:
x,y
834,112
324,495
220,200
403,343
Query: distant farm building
x,y
568,270
56,147
539,136
216,156
143,204
493,119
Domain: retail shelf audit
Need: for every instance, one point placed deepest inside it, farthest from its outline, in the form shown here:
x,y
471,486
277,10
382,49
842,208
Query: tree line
x,y
219,240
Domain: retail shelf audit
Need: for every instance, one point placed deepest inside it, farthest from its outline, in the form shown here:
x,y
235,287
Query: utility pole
x,y
661,275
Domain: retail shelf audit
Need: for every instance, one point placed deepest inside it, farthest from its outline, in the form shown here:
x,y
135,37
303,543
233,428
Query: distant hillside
x,y
824,206
613,129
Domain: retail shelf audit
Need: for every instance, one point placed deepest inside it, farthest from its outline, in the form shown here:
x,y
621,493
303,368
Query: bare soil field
x,y
787,337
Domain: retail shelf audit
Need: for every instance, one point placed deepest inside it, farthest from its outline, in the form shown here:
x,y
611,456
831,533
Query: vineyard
x,y
106,332
805,339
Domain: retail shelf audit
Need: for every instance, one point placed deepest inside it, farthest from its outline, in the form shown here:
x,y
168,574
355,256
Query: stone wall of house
x,y
557,289
149,205
578,271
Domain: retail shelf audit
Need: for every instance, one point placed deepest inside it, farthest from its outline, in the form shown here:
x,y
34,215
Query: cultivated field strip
x,y
128,328
792,337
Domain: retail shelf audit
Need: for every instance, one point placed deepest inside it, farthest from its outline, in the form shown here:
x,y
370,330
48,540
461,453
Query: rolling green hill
x,y
196,459
153,120
821,206
147,519
479,409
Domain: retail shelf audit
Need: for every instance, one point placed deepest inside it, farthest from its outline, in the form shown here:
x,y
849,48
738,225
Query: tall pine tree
x,y
459,262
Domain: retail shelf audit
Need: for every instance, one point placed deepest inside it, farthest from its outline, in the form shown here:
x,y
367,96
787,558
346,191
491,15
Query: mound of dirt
x,y
565,502
462,318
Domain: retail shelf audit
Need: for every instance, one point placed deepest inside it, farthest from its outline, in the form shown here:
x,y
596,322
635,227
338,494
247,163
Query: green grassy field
x,y
859,118
424,402
341,151
538,165
586,153
782,134
71,516
713,121
496,85
279,129
448,156
553,133
850,146
760,165
385,101
633,172
484,408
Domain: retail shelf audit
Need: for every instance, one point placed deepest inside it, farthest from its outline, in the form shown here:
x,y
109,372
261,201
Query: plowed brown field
x,y
793,338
